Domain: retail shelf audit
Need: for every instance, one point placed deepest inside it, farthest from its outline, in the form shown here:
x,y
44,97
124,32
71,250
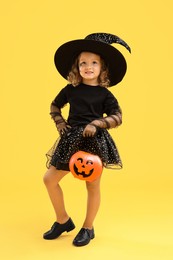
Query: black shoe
x,y
57,229
83,237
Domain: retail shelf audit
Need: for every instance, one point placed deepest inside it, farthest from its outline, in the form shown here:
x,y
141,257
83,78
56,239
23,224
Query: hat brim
x,y
66,54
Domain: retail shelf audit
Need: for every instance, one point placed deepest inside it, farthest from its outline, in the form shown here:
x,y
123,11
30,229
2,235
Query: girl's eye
x,y
82,63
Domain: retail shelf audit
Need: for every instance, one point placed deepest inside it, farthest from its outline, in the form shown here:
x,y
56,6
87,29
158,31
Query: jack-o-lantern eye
x,y
89,162
85,166
80,159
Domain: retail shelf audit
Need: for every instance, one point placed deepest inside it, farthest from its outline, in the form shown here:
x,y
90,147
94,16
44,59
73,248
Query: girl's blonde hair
x,y
75,78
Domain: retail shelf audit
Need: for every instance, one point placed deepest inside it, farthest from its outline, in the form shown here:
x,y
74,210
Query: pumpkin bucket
x,y
85,166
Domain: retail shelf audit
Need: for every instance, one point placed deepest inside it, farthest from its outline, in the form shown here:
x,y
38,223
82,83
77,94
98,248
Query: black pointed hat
x,y
98,43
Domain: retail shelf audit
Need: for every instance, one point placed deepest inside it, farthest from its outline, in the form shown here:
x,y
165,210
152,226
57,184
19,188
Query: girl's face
x,y
89,67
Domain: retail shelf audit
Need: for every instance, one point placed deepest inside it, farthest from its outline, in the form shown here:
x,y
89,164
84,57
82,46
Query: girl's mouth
x,y
88,72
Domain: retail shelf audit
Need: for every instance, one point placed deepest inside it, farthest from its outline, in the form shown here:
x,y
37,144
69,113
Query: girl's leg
x,y
93,202
51,180
87,232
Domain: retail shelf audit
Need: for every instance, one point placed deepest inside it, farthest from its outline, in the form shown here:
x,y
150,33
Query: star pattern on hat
x,y
107,38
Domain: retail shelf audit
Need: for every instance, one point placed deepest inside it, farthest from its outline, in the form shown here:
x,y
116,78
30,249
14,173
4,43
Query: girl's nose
x,y
88,66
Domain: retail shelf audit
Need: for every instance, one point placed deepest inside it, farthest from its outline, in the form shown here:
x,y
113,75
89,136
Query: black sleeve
x,y
111,106
61,98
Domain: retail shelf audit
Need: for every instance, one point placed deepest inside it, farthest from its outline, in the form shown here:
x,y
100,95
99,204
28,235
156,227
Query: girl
x,y
91,65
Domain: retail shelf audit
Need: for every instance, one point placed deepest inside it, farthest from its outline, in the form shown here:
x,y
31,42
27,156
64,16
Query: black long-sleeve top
x,y
87,103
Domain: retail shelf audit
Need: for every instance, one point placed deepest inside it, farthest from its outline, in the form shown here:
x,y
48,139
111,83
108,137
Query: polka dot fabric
x,y
73,141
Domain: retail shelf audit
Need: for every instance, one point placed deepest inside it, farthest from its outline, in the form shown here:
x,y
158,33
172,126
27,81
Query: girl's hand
x,y
62,128
89,131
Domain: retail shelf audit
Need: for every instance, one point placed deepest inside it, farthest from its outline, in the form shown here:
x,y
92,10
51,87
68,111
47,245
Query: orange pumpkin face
x,y
85,166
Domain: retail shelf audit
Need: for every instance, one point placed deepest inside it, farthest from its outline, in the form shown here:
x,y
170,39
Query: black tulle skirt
x,y
73,141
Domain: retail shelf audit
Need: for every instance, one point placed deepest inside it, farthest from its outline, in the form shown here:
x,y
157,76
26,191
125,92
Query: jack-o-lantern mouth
x,y
82,172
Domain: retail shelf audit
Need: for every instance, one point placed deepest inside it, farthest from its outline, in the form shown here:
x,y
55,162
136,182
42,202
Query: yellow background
x,y
135,220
